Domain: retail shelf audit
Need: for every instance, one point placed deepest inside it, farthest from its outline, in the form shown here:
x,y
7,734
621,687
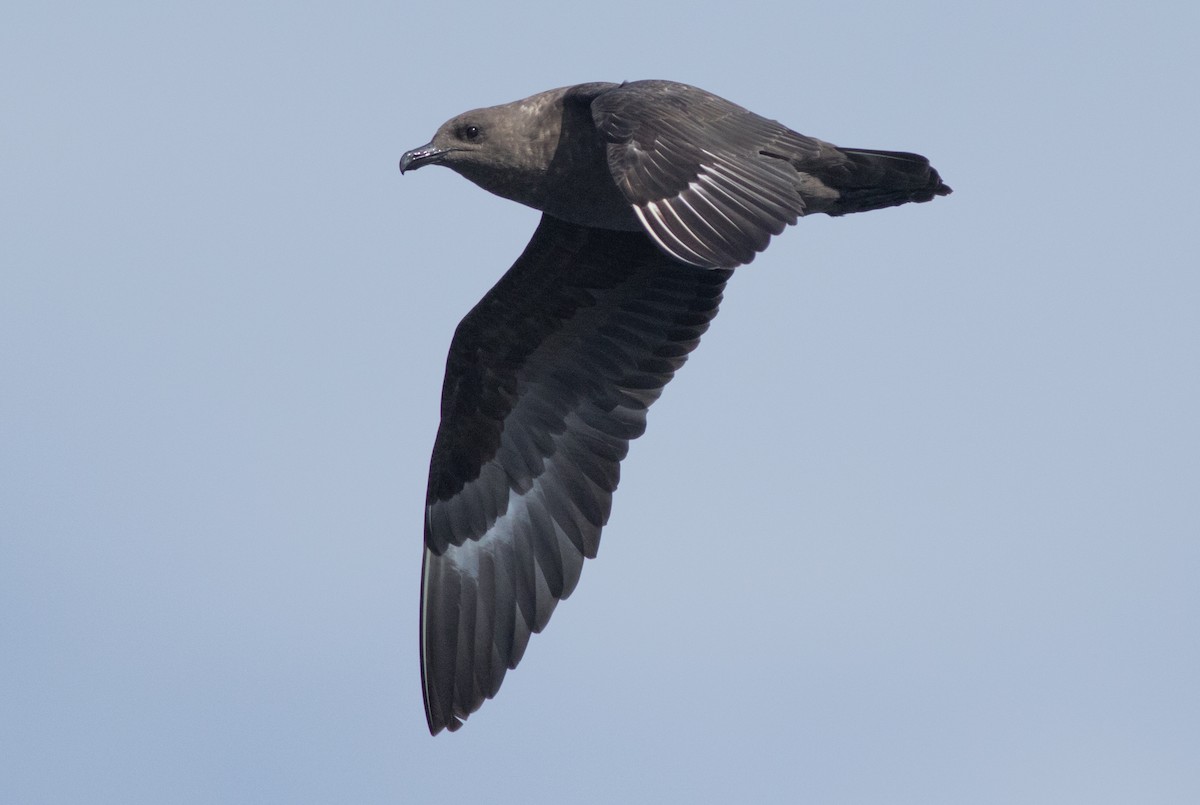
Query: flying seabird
x,y
651,192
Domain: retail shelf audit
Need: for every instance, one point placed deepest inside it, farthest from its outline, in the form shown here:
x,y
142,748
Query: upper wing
x,y
548,379
710,181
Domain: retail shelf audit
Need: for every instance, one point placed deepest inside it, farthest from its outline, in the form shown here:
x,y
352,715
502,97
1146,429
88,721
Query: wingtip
x,y
437,722
437,726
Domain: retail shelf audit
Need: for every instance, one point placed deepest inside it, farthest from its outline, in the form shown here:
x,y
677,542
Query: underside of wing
x,y
548,379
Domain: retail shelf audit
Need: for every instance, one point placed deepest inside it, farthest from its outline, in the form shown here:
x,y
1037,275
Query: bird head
x,y
505,149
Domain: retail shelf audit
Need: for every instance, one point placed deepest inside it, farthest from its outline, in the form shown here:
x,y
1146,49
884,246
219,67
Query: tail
x,y
871,180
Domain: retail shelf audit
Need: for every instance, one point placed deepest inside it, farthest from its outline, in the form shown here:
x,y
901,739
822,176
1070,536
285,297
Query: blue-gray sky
x,y
918,523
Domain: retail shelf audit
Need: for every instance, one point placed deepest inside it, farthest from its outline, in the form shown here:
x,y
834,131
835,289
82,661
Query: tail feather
x,y
871,180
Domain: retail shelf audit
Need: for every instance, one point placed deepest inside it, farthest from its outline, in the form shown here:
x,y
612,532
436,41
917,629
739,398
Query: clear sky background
x,y
919,522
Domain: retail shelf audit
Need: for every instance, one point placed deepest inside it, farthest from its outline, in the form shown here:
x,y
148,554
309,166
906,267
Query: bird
x,y
651,192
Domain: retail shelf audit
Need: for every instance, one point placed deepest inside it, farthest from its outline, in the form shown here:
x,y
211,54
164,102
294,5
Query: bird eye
x,y
470,132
